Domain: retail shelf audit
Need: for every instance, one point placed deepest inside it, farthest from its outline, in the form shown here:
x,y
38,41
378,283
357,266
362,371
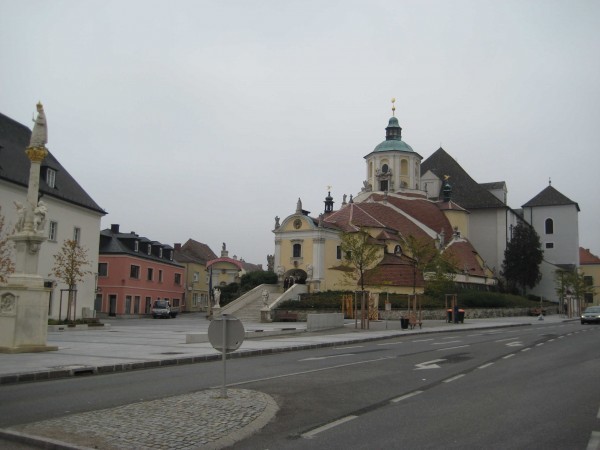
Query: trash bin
x,y
404,323
459,316
455,315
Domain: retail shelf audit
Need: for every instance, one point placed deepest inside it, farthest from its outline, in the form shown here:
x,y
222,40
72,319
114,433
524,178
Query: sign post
x,y
226,334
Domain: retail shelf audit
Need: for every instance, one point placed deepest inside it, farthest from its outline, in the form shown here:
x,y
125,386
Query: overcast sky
x,y
206,119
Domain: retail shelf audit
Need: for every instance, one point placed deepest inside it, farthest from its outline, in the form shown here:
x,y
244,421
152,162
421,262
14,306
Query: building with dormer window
x,y
133,272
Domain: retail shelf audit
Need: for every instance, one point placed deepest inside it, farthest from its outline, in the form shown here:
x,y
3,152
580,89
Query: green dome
x,y
393,138
393,145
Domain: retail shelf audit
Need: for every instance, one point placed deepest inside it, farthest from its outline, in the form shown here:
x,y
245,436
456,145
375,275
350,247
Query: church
x,y
433,200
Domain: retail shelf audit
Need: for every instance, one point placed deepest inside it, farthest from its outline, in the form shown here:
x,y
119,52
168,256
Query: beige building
x,y
195,256
589,264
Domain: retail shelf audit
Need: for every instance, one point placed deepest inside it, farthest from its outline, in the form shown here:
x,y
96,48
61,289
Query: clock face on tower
x,y
297,224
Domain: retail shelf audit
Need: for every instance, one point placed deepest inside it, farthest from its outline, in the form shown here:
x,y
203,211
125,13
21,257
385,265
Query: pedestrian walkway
x,y
136,344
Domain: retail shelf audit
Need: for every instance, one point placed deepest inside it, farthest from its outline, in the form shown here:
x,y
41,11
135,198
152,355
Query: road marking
x,y
444,343
429,364
561,337
304,372
515,344
311,434
507,339
423,340
539,345
526,349
551,340
391,343
454,378
404,397
318,358
594,443
451,348
346,348
486,365
508,356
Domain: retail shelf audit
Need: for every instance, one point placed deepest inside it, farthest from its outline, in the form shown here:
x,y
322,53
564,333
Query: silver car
x,y
591,315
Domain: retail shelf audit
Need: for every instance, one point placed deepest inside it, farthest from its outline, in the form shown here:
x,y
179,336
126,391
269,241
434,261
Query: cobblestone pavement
x,y
202,420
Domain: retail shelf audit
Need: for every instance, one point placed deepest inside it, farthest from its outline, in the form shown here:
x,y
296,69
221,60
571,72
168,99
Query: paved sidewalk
x,y
124,345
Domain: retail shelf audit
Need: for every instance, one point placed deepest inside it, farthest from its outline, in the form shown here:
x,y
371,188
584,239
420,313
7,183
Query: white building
x,y
72,213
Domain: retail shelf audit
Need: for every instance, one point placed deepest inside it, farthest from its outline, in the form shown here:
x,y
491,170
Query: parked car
x,y
163,308
591,315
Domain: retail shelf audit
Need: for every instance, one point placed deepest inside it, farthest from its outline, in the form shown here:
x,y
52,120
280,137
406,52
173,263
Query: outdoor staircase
x,y
247,308
250,312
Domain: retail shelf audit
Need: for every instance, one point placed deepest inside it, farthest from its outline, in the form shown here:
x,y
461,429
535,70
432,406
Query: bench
x,y
286,316
537,311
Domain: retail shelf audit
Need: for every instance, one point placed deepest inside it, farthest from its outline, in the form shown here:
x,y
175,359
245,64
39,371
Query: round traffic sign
x,y
226,330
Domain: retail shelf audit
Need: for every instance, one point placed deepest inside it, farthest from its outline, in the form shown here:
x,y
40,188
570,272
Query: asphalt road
x,y
526,387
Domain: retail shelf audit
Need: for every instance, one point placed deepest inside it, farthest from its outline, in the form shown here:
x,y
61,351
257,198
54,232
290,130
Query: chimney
x,y
114,228
178,246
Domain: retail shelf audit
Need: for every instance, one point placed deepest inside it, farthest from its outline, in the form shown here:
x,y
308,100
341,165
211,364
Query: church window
x,y
385,168
297,250
549,226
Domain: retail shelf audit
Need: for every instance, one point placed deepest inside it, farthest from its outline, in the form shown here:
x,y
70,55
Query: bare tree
x,y
69,267
7,265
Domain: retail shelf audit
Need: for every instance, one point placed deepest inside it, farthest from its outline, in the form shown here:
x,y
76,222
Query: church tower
x,y
393,166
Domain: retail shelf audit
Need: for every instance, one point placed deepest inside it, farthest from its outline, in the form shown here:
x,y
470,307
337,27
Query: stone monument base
x,y
24,315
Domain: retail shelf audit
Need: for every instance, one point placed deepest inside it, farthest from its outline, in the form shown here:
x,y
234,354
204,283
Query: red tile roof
x,y
587,257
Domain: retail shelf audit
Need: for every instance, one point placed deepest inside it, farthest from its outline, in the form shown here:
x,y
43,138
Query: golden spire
x,y
393,107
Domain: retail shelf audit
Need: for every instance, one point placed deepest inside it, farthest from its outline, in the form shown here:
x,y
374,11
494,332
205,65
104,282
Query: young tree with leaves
x,y
7,265
69,267
359,255
439,269
572,283
522,258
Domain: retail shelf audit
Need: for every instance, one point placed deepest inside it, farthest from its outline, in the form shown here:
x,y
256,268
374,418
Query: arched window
x,y
297,250
404,167
549,226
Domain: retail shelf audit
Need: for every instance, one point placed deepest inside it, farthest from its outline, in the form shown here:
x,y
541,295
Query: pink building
x,y
133,272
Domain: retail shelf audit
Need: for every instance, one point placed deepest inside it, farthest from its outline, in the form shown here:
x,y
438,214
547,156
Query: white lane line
x,y
539,345
526,349
313,433
390,343
508,339
444,343
346,348
508,356
486,365
452,348
318,358
454,378
304,372
594,443
423,340
404,397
